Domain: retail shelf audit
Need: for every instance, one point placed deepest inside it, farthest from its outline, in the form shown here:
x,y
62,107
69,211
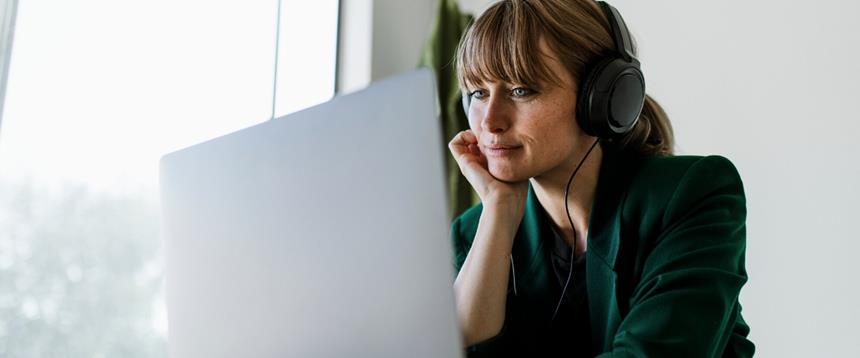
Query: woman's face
x,y
525,131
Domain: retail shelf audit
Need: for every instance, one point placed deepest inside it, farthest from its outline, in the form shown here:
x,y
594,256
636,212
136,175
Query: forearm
x,y
482,283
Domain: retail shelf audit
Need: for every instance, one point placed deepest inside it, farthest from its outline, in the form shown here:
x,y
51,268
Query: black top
x,y
570,331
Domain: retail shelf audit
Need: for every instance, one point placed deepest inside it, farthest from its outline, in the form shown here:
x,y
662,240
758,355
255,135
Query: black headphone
x,y
612,92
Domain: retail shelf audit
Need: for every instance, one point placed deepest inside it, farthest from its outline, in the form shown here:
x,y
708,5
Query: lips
x,y
499,146
500,150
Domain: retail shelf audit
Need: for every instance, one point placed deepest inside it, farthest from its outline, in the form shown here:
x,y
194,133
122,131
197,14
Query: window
x,y
97,92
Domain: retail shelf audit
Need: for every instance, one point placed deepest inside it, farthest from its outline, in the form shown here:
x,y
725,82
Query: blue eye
x,y
477,94
522,92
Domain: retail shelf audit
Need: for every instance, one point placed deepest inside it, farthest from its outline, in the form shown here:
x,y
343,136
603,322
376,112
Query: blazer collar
x,y
530,252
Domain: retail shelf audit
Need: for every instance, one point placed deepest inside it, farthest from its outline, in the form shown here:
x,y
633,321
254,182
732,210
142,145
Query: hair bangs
x,y
503,45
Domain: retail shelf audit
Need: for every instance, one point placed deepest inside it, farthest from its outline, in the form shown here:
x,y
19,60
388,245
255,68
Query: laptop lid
x,y
323,233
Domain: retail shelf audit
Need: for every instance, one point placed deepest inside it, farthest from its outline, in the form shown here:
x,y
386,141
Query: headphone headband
x,y
620,34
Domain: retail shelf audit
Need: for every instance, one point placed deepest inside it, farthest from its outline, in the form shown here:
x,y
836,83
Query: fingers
x,y
472,163
474,150
459,145
464,147
463,139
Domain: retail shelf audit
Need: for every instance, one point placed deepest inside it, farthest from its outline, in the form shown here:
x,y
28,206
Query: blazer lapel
x,y
603,244
532,266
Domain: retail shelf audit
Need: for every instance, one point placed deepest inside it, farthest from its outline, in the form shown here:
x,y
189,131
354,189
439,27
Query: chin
x,y
507,174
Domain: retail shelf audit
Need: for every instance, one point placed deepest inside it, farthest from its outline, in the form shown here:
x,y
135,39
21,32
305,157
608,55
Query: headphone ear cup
x,y
611,98
585,100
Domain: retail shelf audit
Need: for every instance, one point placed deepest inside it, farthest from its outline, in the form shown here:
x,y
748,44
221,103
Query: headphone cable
x,y
567,210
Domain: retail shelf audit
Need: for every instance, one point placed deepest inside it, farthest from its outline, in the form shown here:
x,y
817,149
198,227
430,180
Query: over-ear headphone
x,y
612,92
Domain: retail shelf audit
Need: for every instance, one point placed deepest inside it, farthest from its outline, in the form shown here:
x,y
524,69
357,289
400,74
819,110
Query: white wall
x,y
380,38
774,86
355,45
400,28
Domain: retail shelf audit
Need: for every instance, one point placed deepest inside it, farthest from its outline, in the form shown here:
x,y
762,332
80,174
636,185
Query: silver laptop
x,y
323,233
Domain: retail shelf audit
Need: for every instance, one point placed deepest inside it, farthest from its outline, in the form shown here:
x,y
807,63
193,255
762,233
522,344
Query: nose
x,y
495,118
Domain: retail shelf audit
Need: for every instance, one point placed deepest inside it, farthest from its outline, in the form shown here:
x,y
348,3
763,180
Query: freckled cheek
x,y
545,142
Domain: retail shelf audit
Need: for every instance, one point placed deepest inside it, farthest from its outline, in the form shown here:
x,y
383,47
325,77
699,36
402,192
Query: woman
x,y
642,256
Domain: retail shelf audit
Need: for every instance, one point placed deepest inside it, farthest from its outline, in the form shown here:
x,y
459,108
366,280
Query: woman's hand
x,y
473,165
482,283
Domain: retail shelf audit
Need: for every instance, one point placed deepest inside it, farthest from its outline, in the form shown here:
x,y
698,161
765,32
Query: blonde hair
x,y
503,44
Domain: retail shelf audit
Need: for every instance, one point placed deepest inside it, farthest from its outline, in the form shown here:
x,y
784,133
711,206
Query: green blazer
x,y
664,263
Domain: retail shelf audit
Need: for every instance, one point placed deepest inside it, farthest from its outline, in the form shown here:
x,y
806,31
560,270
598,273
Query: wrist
x,y
505,213
507,203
